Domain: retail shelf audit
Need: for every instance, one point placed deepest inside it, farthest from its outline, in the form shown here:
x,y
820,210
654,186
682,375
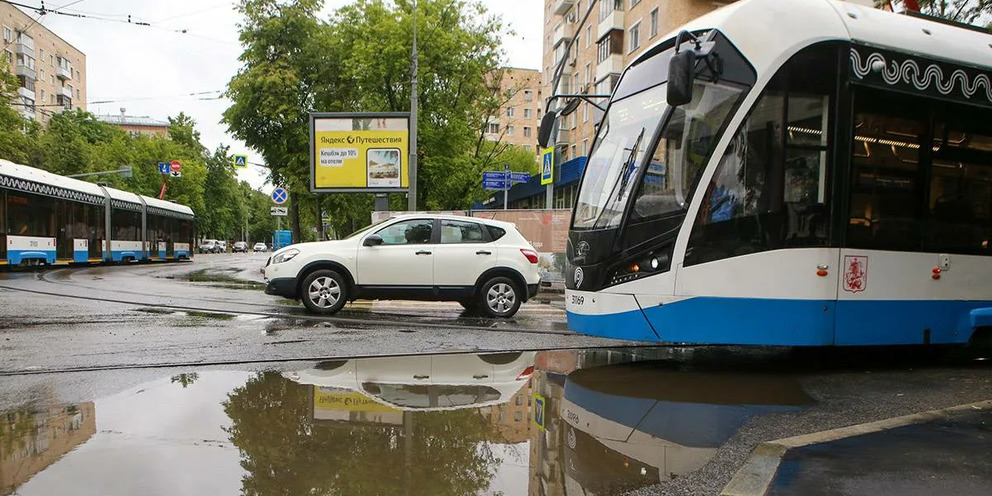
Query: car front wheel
x,y
499,297
324,292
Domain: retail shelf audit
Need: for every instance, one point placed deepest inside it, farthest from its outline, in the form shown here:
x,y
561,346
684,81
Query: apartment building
x,y
136,125
614,33
51,72
519,115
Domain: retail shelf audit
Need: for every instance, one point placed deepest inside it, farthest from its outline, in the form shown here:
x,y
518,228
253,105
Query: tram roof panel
x,y
167,205
768,32
116,194
44,177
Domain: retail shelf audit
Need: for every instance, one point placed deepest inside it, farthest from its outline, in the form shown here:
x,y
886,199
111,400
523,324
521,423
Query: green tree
x,y
18,136
274,92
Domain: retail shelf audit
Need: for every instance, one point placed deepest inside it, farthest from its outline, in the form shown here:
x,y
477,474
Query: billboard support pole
x,y
412,202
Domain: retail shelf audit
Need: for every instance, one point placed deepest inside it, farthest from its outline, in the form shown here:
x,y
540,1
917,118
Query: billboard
x,y
359,152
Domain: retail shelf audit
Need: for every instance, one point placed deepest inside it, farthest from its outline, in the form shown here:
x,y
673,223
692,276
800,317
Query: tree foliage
x,y
359,60
976,12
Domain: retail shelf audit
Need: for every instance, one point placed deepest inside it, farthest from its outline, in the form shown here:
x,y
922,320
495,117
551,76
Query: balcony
x,y
63,73
564,137
24,49
612,65
25,71
26,93
563,32
562,6
66,92
614,20
27,112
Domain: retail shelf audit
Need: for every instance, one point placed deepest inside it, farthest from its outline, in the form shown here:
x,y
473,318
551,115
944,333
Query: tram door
x,y
96,219
169,236
65,233
3,226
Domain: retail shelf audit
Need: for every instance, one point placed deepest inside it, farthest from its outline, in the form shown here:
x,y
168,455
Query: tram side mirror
x,y
373,240
681,74
547,126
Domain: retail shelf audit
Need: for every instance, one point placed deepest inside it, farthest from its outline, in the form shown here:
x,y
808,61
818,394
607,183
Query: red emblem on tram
x,y
855,273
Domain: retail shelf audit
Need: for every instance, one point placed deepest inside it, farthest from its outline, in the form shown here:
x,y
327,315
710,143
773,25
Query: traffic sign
x,y
494,184
548,166
175,166
279,211
539,411
176,173
494,176
519,177
163,168
280,195
240,161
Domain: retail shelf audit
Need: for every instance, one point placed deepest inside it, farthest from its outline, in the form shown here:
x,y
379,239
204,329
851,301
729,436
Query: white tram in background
x,y
799,173
51,219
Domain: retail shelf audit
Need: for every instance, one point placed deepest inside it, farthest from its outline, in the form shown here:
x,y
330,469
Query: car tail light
x,y
530,254
526,373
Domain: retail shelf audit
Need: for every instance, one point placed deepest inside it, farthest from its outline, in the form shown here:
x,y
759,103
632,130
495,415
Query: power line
x,y
123,19
197,95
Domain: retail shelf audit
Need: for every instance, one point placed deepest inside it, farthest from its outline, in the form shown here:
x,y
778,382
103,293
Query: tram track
x,y
252,309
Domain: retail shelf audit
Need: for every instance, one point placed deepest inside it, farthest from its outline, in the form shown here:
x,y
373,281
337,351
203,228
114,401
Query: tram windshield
x,y
678,158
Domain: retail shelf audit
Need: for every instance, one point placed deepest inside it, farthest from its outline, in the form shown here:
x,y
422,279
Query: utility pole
x,y
412,204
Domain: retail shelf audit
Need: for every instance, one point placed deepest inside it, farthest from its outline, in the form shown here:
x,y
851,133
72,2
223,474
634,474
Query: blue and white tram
x,y
800,173
51,219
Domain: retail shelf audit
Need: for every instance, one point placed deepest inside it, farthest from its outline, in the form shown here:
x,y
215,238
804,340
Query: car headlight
x,y
285,256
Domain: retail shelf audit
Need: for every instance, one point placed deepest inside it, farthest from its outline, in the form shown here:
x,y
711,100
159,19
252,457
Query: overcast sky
x,y
158,71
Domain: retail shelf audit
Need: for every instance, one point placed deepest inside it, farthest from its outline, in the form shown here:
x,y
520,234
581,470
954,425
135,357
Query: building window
x,y
585,147
42,95
526,131
635,36
585,112
610,44
8,56
588,74
588,36
607,7
527,147
528,95
509,130
527,113
78,93
518,416
654,22
493,127
509,111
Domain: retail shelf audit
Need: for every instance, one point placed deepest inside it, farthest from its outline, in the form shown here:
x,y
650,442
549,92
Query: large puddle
x,y
550,422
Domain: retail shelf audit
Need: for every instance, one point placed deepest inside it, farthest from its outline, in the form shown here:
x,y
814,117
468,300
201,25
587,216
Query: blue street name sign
x,y
494,184
519,177
493,176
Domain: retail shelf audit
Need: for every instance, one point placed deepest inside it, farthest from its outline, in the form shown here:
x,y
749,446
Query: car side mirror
x,y
681,74
372,240
547,125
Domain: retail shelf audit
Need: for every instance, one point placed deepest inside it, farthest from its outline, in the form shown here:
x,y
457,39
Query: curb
x,y
757,473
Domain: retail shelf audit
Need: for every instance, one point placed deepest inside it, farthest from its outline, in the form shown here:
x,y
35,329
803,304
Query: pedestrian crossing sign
x,y
240,161
547,166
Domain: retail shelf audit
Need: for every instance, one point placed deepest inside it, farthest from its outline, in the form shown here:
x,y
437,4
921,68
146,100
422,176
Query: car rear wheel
x,y
500,297
324,292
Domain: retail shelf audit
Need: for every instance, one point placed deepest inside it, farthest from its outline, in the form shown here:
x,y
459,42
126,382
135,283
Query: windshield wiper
x,y
626,171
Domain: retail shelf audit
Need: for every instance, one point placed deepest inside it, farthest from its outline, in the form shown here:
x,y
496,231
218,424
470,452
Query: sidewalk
x,y
931,453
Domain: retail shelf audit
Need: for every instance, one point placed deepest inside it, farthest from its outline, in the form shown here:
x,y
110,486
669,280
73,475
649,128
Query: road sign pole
x,y
506,184
412,203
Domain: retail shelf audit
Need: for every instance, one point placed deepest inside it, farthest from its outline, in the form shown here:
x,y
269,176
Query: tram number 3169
x,y
578,299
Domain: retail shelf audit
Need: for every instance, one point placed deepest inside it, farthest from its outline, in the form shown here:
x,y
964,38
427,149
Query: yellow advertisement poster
x,y
331,399
356,152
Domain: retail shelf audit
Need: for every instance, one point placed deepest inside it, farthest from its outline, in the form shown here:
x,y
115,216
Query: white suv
x,y
482,264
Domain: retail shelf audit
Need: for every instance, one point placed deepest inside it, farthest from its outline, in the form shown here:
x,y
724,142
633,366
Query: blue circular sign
x,y
280,195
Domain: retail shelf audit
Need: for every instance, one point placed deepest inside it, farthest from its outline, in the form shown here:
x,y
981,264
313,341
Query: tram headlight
x,y
285,256
642,266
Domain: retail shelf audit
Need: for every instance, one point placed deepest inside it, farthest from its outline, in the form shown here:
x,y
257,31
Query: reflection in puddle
x,y
551,422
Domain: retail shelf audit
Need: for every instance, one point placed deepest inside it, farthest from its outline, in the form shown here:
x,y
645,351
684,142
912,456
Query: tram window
x,y
886,175
3,212
126,225
769,188
959,208
30,215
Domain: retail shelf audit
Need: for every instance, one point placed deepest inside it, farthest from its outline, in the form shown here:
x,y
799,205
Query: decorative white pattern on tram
x,y
48,190
909,72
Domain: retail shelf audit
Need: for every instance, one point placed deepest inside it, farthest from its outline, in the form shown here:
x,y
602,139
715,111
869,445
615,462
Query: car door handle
x,y
421,377
483,252
423,252
480,376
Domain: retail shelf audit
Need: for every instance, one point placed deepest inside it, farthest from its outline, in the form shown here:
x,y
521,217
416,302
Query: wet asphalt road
x,y
144,367
213,311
